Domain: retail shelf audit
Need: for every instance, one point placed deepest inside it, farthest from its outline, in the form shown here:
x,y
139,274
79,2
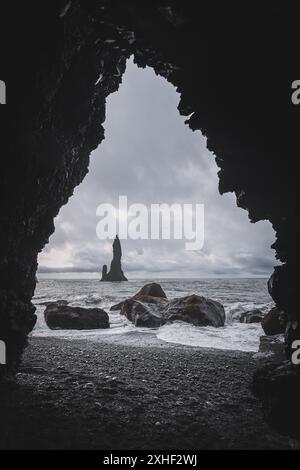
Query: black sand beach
x,y
78,394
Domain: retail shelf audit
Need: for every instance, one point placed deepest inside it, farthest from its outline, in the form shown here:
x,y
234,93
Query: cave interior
x,y
232,65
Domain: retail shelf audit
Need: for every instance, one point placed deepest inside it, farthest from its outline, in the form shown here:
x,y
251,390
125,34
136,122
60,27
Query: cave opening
x,y
146,138
151,156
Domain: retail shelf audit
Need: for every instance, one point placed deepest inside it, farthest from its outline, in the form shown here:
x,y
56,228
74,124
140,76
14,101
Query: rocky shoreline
x,y
151,308
80,394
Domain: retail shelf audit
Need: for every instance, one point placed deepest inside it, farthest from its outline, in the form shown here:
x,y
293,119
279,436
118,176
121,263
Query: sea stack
x,y
115,273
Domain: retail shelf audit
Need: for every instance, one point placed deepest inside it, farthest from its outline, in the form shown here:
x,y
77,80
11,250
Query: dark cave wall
x,y
53,121
233,68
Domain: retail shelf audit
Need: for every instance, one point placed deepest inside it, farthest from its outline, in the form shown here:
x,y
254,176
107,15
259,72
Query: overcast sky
x,y
151,156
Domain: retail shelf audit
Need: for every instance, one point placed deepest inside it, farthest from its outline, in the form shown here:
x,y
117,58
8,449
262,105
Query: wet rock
x,y
116,307
150,308
252,316
141,314
274,322
197,310
150,290
75,318
151,293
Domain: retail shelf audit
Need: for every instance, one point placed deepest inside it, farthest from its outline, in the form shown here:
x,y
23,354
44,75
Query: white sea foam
x,y
238,336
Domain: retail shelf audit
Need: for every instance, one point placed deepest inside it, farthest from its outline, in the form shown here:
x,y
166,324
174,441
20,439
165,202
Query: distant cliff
x,y
115,273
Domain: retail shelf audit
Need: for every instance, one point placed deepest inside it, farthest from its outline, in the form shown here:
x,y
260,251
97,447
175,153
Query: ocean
x,y
237,296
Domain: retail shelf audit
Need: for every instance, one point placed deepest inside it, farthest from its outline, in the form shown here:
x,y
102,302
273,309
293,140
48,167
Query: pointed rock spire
x,y
115,273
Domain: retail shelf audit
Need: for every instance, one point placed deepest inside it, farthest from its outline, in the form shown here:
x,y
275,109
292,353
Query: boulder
x,y
274,322
151,308
141,314
59,316
251,316
150,293
197,310
150,290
